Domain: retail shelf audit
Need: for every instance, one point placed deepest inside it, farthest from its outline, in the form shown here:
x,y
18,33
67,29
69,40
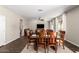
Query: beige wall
x,y
73,26
12,24
32,23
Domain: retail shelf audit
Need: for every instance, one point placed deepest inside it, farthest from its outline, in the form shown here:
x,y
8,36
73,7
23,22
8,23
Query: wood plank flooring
x,y
18,45
14,46
71,46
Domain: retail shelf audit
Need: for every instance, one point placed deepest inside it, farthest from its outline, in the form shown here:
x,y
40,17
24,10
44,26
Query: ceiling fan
x,y
41,19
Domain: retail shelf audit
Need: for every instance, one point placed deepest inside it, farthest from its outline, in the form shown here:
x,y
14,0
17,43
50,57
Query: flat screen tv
x,y
40,25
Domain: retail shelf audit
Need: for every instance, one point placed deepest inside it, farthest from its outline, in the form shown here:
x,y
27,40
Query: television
x,y
40,25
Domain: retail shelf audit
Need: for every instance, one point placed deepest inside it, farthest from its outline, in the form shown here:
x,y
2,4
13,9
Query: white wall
x,y
12,24
32,23
2,30
73,26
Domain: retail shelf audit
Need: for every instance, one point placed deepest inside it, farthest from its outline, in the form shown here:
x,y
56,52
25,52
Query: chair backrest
x,y
42,36
48,31
26,32
30,32
62,34
52,37
37,31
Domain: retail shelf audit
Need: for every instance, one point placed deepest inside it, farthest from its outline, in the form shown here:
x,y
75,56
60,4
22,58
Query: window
x,y
56,23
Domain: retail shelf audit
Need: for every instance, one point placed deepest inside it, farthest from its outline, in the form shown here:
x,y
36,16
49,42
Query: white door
x,y
2,30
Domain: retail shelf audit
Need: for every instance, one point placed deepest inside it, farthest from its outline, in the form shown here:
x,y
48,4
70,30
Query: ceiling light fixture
x,y
40,18
40,10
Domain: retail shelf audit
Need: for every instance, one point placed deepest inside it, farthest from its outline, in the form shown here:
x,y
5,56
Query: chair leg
x,y
47,49
37,50
27,45
63,45
56,49
59,42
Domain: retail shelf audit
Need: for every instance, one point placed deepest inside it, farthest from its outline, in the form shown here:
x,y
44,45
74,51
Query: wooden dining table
x,y
36,37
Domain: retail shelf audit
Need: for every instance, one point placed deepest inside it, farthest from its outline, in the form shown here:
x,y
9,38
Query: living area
x,y
39,28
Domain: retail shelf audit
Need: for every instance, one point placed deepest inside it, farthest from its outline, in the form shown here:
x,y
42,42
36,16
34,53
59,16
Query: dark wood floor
x,y
17,46
72,47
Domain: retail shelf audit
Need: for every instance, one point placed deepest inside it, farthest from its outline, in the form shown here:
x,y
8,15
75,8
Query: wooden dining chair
x,y
61,39
37,31
42,40
25,34
52,41
30,40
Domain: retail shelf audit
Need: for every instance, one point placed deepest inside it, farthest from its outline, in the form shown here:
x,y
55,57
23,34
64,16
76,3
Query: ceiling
x,y
35,11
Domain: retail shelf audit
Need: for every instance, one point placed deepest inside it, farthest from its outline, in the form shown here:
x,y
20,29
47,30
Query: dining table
x,y
36,37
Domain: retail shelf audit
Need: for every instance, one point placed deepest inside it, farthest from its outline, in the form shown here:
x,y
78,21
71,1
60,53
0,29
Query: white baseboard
x,y
72,43
6,42
9,41
1,44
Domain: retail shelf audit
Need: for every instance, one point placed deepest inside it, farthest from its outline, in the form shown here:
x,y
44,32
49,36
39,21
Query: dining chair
x,y
37,31
25,34
61,39
30,40
48,31
42,40
52,41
